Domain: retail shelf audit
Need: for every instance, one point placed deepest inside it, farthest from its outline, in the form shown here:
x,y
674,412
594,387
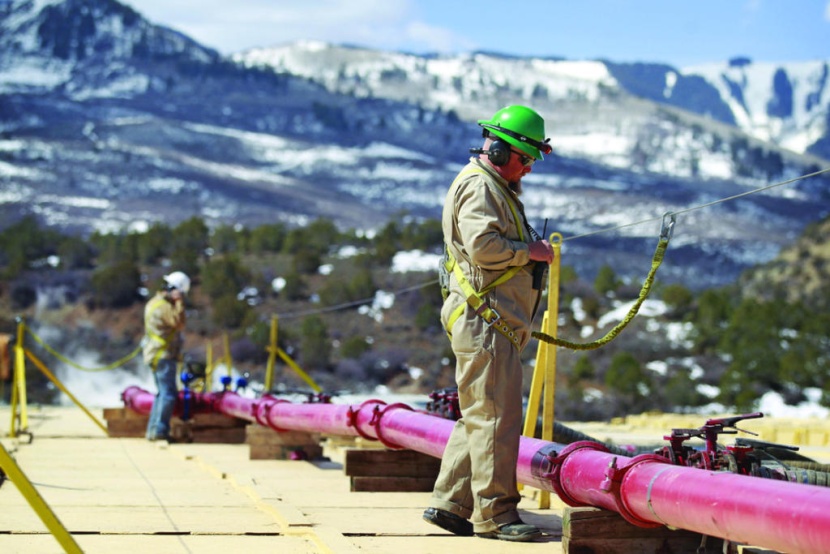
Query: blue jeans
x,y
158,427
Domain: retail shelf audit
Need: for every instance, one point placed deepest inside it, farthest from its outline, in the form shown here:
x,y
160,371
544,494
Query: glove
x,y
541,251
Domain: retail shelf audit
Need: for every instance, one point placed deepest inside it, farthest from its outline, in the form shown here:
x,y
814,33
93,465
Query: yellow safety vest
x,y
154,304
475,298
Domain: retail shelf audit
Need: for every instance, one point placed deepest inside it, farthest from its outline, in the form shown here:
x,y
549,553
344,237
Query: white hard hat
x,y
178,280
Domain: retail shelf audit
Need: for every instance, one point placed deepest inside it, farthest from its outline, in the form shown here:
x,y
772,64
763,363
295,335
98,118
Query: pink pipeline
x,y
646,490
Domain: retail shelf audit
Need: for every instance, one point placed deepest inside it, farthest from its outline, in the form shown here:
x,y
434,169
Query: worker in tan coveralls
x,y
489,302
164,321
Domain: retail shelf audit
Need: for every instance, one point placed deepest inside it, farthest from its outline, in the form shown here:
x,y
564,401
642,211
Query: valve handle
x,y
731,421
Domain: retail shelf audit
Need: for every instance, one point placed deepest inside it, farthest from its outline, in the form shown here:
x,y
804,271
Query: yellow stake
x,y
273,351
272,355
37,503
209,366
228,361
19,383
543,384
535,396
293,365
550,353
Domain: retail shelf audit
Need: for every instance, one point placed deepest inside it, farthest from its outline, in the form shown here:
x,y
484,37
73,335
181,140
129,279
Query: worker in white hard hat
x,y
164,322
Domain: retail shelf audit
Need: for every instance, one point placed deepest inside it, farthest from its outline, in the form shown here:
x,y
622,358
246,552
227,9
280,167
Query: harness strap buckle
x,y
496,317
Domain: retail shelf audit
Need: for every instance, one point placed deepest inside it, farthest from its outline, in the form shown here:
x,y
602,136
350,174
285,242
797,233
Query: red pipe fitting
x,y
376,418
556,463
354,418
262,411
612,477
613,485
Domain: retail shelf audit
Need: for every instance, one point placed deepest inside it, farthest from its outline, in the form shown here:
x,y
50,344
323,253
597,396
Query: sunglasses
x,y
527,161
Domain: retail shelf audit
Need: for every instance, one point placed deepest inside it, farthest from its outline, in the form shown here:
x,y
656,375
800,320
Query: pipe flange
x,y
556,475
267,414
617,475
376,417
352,414
261,408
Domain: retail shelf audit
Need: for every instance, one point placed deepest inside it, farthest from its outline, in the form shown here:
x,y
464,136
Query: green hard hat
x,y
521,127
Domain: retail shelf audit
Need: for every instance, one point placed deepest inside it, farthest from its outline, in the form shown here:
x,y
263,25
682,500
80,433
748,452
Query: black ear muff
x,y
499,153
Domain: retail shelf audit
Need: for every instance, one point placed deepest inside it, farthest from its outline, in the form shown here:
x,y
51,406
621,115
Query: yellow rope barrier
x,y
69,362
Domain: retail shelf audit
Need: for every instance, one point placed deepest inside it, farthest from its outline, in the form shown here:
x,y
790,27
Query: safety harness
x,y
154,304
475,298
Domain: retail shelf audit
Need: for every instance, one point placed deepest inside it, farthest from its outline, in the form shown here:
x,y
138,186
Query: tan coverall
x,y
478,469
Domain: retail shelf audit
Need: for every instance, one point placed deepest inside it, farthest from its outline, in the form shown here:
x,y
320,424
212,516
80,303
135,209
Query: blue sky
x,y
678,33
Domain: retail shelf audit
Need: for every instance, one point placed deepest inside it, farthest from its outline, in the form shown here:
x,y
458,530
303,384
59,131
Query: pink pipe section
x,y
646,490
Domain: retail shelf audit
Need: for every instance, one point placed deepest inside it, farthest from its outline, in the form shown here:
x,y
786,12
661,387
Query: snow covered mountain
x,y
787,104
108,122
87,48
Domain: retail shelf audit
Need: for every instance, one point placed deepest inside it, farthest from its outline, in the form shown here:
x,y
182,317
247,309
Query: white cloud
x,y
827,12
752,6
437,39
388,24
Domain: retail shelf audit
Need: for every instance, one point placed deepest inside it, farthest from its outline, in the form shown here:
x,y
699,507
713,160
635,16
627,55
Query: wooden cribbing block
x,y
125,423
392,484
597,531
209,428
268,444
202,428
335,446
391,470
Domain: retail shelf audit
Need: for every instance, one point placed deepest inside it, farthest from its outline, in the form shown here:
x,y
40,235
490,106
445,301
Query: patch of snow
x,y
349,251
415,260
591,394
382,301
658,366
576,308
708,391
278,284
772,405
649,308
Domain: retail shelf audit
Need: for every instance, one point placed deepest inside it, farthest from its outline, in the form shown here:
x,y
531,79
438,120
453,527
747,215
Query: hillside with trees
x,y
721,347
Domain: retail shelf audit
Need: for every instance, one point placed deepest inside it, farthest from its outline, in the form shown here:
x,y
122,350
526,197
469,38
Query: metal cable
x,y
574,237
353,303
701,206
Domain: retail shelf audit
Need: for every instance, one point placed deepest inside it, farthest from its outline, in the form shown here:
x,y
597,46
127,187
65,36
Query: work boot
x,y
518,531
448,521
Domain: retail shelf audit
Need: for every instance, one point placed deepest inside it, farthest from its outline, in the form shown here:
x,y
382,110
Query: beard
x,y
516,186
